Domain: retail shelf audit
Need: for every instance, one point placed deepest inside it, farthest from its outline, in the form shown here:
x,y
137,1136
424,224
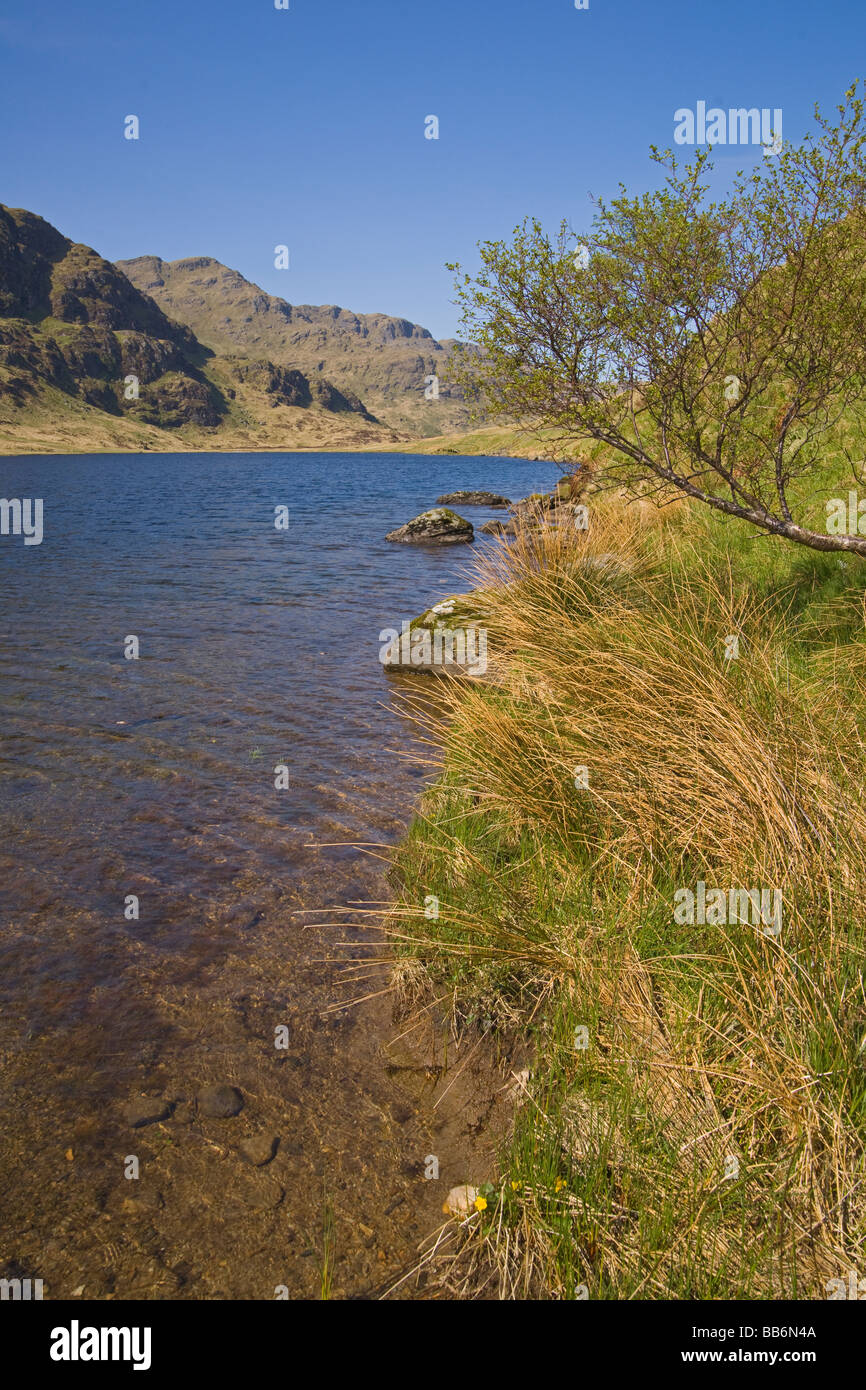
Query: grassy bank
x,y
508,441
692,1124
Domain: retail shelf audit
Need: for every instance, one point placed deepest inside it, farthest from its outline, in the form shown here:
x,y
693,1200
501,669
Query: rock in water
x,y
145,1202
260,1149
450,639
440,526
146,1110
533,506
220,1102
251,1190
473,499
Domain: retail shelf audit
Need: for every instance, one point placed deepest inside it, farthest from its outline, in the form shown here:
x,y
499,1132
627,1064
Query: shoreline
x,y
507,442
356,1105
556,845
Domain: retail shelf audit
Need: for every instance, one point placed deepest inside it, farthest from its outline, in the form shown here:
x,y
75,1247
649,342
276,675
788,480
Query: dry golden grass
x,y
721,1042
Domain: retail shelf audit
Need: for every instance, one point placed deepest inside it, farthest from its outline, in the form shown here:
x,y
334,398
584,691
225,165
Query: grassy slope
x,y
56,423
492,440
707,1140
53,422
73,329
367,353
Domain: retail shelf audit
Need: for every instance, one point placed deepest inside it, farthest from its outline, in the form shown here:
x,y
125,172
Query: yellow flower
x,y
514,1186
560,1184
480,1203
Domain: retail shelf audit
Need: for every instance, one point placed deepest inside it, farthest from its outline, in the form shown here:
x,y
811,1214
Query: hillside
x,y
90,362
508,441
382,359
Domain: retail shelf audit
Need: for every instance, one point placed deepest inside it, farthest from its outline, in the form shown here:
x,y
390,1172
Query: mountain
x,y
89,361
382,359
71,320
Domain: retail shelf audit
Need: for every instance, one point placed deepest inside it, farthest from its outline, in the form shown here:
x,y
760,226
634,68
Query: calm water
x,y
257,647
155,777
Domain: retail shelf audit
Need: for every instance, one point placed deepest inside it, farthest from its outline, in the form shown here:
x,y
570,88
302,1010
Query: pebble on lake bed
x,y
460,1200
260,1149
146,1110
220,1101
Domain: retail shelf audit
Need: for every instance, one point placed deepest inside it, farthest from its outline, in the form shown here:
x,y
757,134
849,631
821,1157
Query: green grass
x,y
708,1141
490,441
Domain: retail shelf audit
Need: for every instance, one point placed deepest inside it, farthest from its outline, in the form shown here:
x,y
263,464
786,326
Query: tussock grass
x,y
707,1140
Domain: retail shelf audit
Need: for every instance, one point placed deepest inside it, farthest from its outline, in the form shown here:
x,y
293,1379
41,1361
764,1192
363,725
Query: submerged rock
x,y
146,1110
220,1101
498,528
473,499
254,1191
145,1202
260,1149
439,526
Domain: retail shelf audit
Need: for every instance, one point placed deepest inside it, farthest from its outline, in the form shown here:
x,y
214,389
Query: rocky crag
x,y
90,360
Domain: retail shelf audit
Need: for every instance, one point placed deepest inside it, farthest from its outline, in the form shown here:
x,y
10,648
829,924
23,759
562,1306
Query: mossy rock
x,y
439,526
475,498
449,638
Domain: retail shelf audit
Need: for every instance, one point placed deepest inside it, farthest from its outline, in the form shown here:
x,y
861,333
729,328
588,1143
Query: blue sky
x,y
305,127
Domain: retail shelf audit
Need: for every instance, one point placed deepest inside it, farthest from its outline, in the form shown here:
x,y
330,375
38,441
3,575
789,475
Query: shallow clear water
x,y
155,777
257,647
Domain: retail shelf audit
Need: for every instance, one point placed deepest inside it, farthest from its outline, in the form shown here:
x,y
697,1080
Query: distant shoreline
x,y
494,442
102,453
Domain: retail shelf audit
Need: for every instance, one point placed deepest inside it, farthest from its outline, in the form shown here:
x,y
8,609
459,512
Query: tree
x,y
716,348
